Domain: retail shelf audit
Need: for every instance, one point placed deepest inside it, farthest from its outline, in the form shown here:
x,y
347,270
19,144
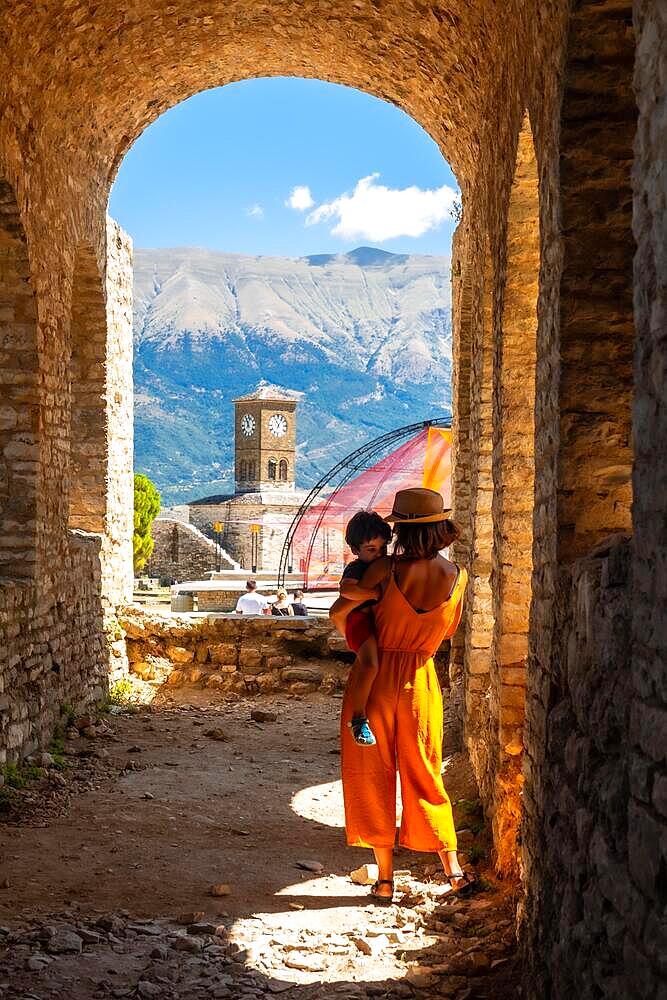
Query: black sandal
x,y
469,884
383,900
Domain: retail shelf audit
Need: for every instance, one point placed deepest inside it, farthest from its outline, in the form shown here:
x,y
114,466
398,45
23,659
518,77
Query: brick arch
x,y
513,461
436,62
19,410
88,418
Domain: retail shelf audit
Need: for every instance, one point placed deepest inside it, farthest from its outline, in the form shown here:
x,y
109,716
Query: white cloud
x,y
378,213
255,211
300,198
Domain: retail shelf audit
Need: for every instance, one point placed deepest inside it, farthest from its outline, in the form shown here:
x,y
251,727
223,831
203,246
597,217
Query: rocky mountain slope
x,y
364,336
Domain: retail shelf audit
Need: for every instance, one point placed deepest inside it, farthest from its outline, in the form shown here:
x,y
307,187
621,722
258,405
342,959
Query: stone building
x,y
257,516
182,552
553,116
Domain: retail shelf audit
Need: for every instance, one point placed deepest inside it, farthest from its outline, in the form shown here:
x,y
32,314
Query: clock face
x,y
278,425
248,424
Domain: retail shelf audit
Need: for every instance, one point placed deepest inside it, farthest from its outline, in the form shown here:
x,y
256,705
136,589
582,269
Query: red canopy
x,y
319,550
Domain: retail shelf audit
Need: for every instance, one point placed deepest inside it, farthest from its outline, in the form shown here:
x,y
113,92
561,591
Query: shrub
x,y
146,509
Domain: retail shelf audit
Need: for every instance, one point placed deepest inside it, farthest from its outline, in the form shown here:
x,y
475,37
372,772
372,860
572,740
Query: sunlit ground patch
x,y
333,935
320,803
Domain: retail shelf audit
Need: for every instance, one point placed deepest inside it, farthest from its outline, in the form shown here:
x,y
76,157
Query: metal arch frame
x,y
349,466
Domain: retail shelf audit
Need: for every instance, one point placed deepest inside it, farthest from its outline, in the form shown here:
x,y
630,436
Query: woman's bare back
x,y
426,583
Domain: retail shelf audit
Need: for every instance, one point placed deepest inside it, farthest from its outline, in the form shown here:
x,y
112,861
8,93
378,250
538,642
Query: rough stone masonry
x,y
553,116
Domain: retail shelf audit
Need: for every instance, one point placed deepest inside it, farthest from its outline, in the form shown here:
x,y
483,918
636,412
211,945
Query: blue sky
x,y
289,167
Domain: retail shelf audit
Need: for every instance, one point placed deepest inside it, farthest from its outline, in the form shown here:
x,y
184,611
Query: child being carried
x,y
367,535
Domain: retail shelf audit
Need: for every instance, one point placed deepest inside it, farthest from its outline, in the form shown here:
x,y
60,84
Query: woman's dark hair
x,y
423,541
365,524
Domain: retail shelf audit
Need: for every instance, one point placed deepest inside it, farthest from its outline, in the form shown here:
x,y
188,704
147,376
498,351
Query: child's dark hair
x,y
365,524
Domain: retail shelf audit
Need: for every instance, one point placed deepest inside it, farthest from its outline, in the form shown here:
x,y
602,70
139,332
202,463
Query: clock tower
x,y
264,441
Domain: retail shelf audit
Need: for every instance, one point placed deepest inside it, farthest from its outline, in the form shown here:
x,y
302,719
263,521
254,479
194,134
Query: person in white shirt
x,y
251,603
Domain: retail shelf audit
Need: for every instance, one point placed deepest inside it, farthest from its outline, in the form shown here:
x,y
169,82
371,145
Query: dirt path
x,y
106,875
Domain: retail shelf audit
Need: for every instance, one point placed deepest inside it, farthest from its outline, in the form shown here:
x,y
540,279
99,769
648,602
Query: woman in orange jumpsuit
x,y
421,596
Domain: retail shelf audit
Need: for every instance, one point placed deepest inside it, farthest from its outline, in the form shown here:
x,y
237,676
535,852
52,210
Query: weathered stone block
x,y
250,660
513,649
223,652
179,654
303,687
277,662
309,675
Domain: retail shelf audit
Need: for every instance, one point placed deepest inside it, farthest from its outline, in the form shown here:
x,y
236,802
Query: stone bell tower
x,y
264,441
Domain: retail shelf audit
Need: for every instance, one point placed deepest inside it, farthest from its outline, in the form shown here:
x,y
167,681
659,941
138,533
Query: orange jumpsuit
x,y
405,713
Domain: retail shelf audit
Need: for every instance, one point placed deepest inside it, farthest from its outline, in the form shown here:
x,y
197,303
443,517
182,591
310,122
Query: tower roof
x,y
265,391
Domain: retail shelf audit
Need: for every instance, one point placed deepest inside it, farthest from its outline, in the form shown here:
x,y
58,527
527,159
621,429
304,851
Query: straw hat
x,y
418,506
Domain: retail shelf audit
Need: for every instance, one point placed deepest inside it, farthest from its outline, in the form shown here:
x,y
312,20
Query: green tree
x,y
146,509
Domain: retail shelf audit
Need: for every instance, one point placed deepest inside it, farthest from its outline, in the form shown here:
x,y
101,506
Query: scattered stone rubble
x,y
424,946
428,944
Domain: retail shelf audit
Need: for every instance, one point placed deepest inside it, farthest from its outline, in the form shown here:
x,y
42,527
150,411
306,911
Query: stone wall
x,y
239,514
117,481
53,649
591,851
241,654
57,630
19,409
513,472
182,552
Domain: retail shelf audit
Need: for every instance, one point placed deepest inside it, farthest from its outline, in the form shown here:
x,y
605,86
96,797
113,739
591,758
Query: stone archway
x,y
66,124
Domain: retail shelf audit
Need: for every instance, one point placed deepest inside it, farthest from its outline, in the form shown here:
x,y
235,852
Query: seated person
x,y
252,603
298,607
281,606
367,535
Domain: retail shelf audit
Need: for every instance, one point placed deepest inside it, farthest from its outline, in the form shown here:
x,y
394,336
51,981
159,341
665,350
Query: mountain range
x,y
364,337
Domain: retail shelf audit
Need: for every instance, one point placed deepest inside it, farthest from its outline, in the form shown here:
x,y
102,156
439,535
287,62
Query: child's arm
x,y
339,611
354,594
353,590
371,584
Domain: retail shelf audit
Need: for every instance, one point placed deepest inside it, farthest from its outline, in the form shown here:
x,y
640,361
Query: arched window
x,y
272,468
252,470
243,470
282,470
